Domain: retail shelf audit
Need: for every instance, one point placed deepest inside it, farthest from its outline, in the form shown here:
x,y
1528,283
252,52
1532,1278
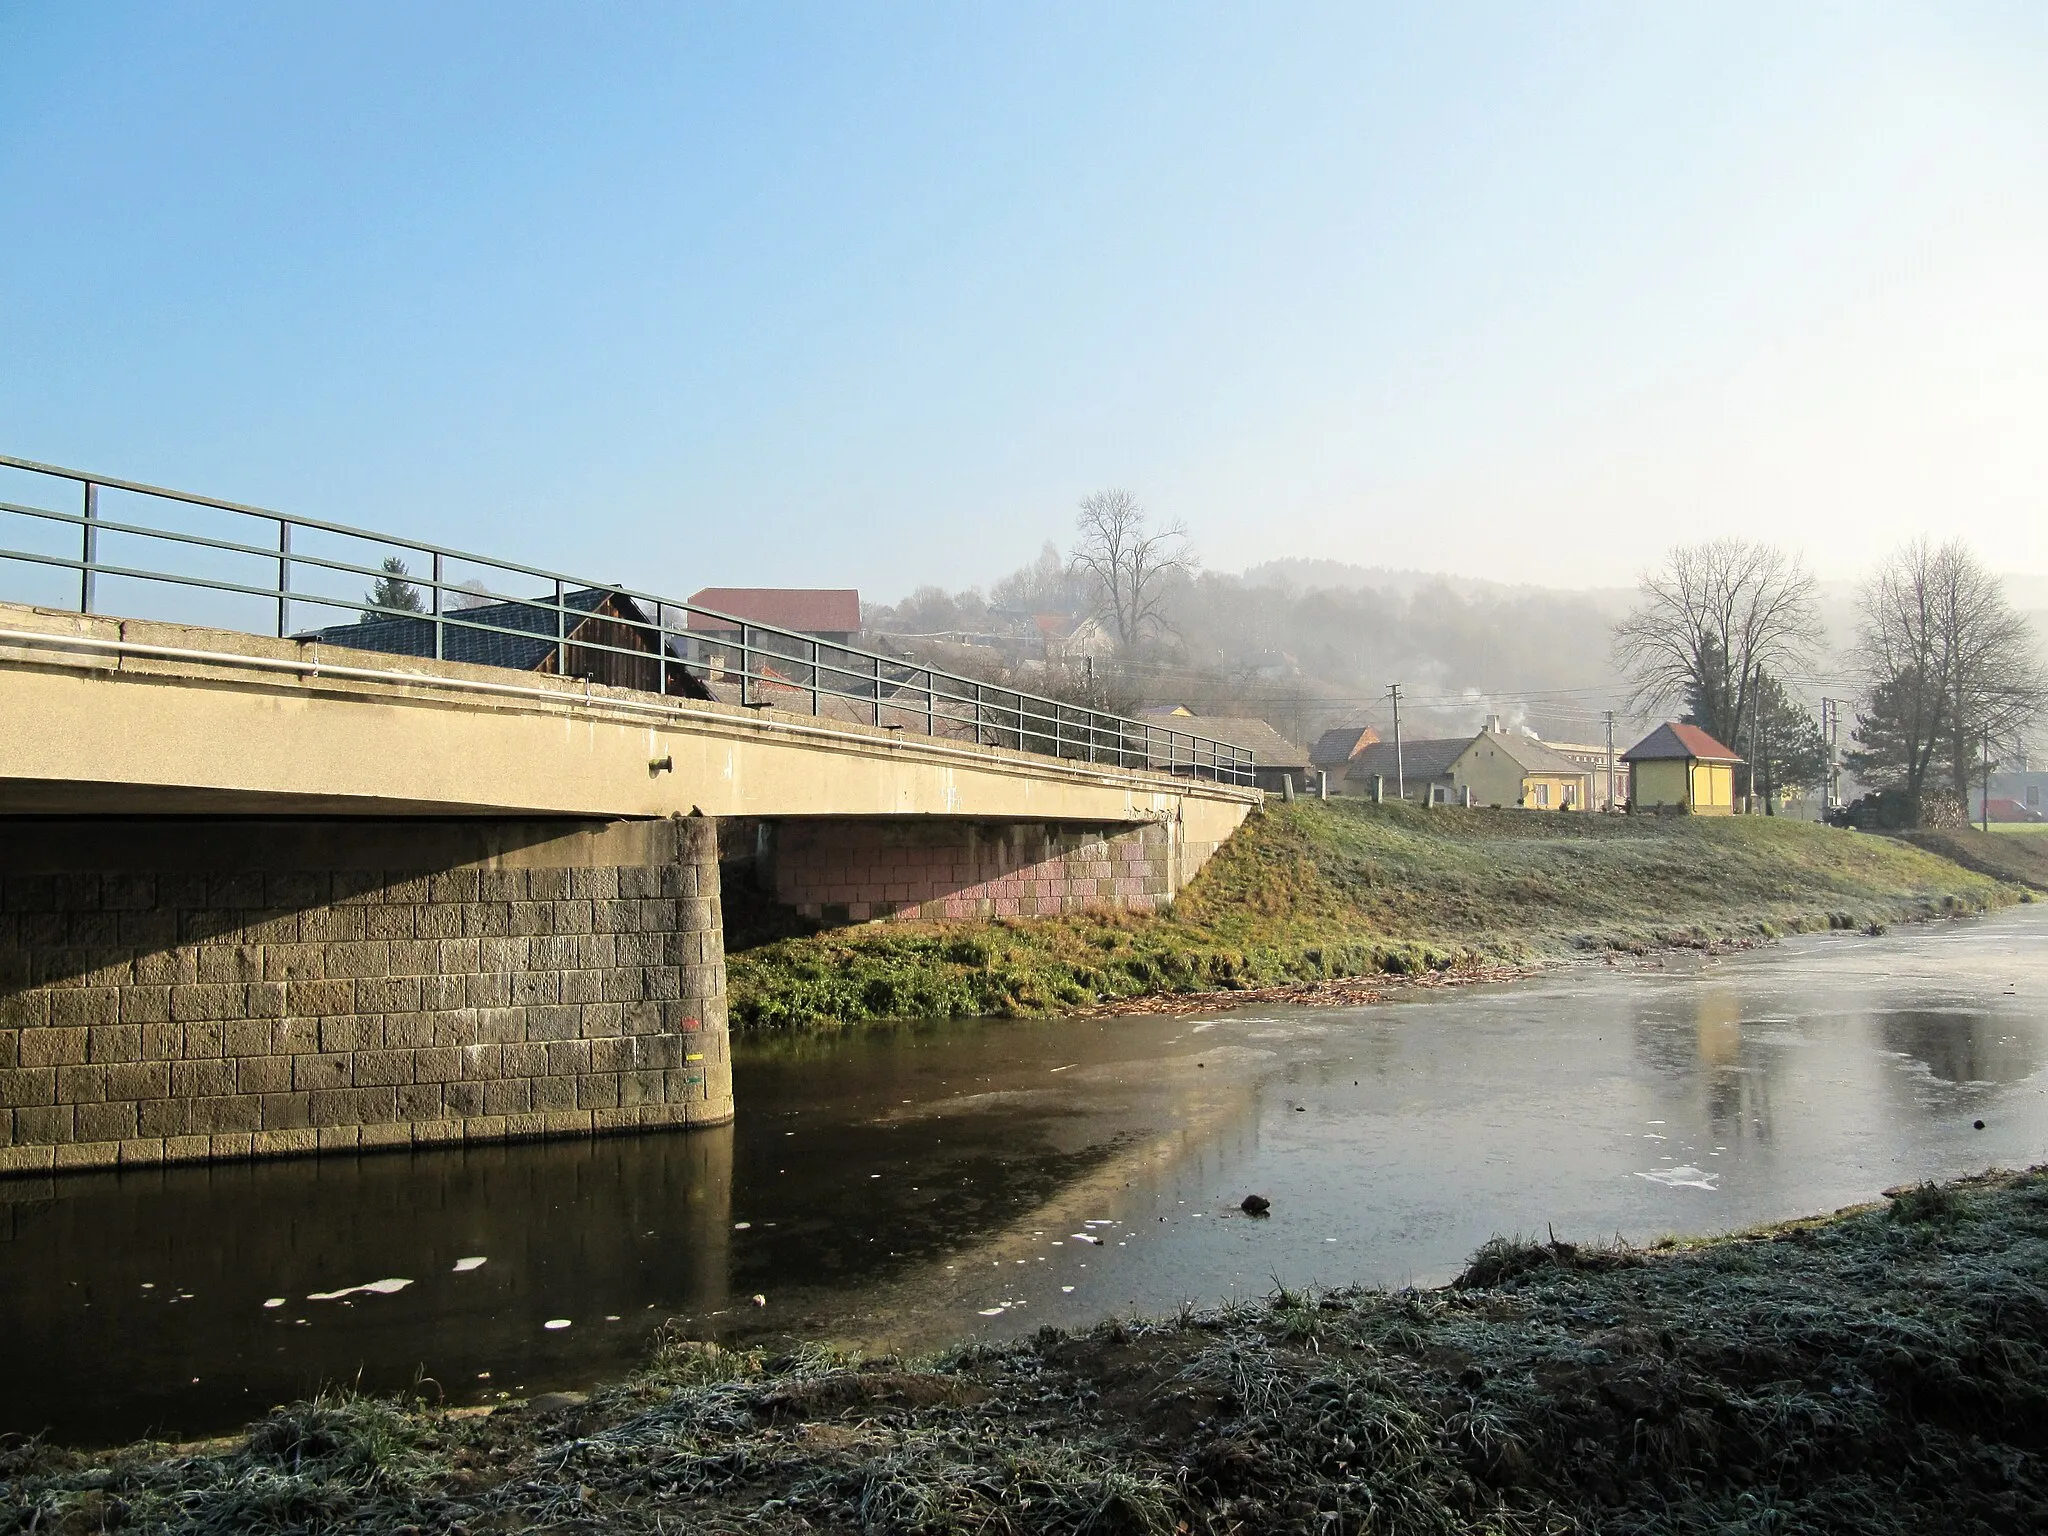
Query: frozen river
x,y
913,1187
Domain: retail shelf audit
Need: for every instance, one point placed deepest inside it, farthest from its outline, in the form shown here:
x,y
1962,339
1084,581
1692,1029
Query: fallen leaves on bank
x,y
1338,992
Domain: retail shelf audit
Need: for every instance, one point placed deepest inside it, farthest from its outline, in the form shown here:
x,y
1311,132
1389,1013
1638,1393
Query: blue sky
x,y
872,295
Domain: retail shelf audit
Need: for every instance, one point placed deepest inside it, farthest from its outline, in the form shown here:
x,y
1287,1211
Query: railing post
x,y
977,714
561,632
440,629
284,577
746,666
814,677
931,699
90,547
878,690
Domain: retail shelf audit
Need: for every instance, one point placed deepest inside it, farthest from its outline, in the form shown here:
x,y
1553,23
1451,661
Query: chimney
x,y
1493,725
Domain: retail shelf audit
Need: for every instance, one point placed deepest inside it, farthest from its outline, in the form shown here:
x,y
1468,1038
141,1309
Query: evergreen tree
x,y
1713,698
393,591
1898,740
1787,748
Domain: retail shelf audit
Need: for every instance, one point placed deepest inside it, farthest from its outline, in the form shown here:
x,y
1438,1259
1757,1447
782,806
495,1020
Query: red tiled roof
x,y
808,610
1675,739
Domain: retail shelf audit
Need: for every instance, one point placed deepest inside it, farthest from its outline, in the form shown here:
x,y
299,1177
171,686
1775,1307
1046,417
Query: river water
x,y
909,1188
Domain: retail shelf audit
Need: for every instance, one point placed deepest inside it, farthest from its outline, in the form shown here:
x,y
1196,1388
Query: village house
x,y
1334,750
826,618
1596,759
1493,768
1681,767
1070,642
1277,763
605,637
830,614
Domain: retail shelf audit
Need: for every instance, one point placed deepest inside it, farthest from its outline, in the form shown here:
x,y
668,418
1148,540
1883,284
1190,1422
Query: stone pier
x,y
192,988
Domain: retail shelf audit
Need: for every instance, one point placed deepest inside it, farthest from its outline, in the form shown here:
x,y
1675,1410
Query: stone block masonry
x,y
931,869
187,989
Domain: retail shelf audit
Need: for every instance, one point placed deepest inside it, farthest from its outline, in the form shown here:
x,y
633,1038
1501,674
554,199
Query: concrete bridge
x,y
265,894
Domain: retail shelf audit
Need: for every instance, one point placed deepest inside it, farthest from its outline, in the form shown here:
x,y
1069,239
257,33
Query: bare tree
x,y
1128,563
1049,584
1712,621
1950,667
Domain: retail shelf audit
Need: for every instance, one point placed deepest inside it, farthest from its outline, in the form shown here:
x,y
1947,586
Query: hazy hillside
x,y
1308,644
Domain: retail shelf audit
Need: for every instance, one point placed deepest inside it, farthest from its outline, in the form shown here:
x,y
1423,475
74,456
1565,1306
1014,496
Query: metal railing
x,y
144,552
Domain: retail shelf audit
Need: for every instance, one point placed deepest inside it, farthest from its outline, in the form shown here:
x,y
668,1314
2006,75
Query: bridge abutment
x,y
183,989
863,869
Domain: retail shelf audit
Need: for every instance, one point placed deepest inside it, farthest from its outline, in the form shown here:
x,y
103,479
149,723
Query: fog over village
x,y
1311,645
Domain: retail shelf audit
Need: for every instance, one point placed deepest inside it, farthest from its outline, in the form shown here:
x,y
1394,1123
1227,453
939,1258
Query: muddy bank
x,y
1884,1369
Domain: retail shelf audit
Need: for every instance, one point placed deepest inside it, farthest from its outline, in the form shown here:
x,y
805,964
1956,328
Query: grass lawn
x,y
1313,889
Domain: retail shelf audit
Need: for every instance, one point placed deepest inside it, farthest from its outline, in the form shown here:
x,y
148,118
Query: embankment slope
x,y
1314,889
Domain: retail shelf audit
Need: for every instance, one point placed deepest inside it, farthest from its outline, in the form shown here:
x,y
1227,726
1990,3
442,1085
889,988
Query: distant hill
x,y
1299,575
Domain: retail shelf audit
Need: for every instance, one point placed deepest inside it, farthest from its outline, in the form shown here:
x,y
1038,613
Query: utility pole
x,y
1755,718
1987,778
1610,760
1400,775
1827,777
1832,727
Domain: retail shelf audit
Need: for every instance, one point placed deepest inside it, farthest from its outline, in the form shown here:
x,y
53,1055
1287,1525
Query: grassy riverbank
x,y
1883,1370
2018,856
1313,890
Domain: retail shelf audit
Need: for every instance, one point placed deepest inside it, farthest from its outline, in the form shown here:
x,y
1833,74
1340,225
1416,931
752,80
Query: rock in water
x,y
550,1403
1255,1205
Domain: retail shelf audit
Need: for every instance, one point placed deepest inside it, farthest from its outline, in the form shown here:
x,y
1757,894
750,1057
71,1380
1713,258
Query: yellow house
x,y
1679,765
1505,768
1494,768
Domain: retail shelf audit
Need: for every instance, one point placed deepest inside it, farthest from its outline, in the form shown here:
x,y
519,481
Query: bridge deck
x,y
121,716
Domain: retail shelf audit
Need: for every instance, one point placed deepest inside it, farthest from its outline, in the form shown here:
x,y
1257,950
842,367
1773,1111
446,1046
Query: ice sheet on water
x,y
1684,1176
464,1266
370,1288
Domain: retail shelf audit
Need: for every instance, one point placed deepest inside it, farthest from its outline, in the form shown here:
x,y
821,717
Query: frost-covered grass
x,y
1881,1371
